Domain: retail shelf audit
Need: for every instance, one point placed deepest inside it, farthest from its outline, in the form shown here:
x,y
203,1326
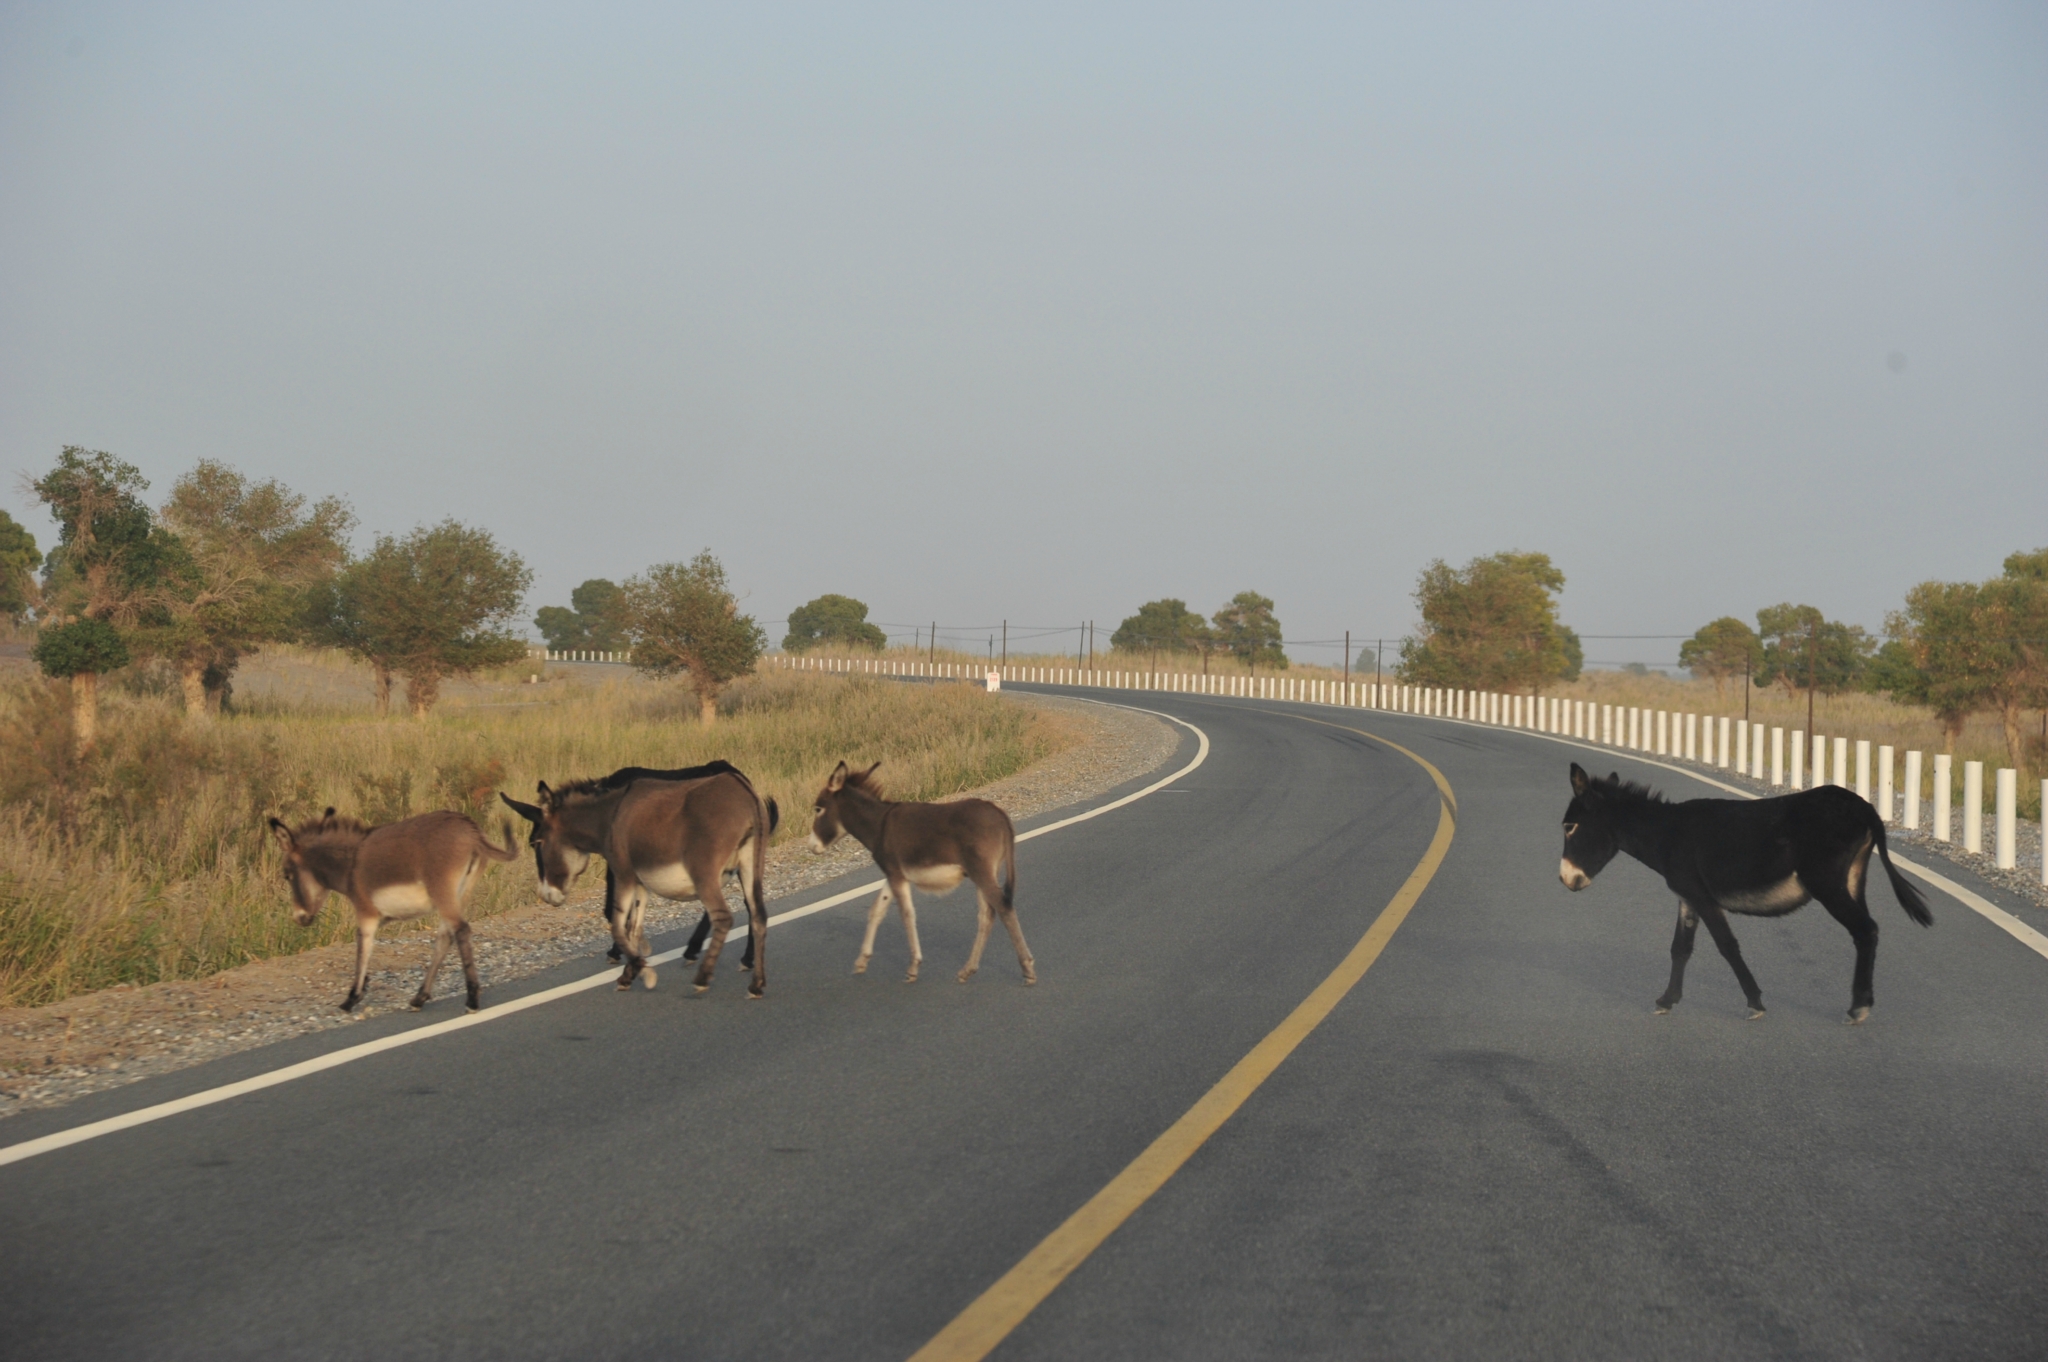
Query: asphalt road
x,y
1490,1148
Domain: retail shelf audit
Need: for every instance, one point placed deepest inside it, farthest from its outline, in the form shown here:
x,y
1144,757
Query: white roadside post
x,y
1944,777
2008,797
1842,762
1607,725
1692,736
1913,790
1884,783
1756,751
1798,772
1742,747
1973,806
1820,763
1660,733
1777,756
1863,768
1722,761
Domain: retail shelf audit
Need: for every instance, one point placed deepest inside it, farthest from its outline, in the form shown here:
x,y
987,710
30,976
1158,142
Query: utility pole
x,y
1812,670
1379,647
1347,657
1006,643
1091,645
1745,686
935,641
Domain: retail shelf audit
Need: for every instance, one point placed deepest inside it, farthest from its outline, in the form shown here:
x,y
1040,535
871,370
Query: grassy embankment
x,y
1852,716
149,860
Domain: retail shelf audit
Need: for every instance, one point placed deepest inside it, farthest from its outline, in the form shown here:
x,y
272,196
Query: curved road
x,y
1488,1148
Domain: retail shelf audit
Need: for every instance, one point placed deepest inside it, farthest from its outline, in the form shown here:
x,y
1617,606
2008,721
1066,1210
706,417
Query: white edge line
x,y
28,1149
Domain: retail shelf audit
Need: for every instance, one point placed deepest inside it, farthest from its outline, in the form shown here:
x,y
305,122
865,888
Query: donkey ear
x,y
526,811
871,770
284,834
837,780
1580,780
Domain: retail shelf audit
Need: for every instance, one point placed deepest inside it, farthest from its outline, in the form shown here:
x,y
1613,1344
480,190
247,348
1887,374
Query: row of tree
x,y
1245,628
227,565
1959,648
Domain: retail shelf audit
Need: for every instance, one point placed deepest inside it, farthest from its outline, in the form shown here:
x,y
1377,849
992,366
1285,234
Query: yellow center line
x,y
976,1331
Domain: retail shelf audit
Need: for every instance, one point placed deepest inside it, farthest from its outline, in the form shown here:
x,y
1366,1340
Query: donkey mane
x,y
1628,789
591,787
334,826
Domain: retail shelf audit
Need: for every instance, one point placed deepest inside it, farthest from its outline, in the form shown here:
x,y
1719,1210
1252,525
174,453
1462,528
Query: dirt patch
x,y
50,1055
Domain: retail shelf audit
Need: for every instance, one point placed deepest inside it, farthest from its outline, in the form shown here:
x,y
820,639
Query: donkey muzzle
x,y
1574,878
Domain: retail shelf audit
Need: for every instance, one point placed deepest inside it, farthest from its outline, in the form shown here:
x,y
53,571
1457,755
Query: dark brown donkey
x,y
676,838
933,846
401,870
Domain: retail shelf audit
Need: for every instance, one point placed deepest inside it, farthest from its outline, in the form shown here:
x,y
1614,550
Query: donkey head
x,y
826,822
303,864
1590,840
556,862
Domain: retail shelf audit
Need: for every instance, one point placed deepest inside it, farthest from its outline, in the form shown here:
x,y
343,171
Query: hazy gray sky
x,y
1041,312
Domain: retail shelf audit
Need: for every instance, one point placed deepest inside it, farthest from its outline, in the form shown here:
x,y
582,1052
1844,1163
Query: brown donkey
x,y
674,837
401,870
933,846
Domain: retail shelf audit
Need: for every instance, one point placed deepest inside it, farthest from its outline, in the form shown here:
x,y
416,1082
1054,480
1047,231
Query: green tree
x,y
1491,625
1246,629
831,619
80,652
1938,655
683,617
19,559
594,622
1163,626
112,564
1801,647
436,604
1723,649
257,548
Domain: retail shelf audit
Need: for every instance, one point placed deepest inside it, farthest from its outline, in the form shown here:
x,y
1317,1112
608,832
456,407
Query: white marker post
x,y
1973,806
1944,784
1842,762
1742,747
1863,768
1884,783
1722,760
1778,757
1756,751
1913,790
2008,798
1798,758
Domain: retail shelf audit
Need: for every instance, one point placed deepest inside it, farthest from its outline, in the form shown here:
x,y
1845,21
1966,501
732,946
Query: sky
x,y
1034,313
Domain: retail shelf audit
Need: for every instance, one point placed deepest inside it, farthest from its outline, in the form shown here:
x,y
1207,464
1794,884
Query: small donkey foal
x,y
933,846
401,870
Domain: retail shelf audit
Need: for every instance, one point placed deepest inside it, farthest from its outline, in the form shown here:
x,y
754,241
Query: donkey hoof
x,y
472,1007
1756,1013
1660,1009
1030,980
417,1005
860,966
648,976
754,995
348,1004
1857,1016
701,988
964,975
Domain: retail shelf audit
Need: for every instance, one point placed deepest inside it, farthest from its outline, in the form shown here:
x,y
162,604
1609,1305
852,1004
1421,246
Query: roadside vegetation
x,y
143,858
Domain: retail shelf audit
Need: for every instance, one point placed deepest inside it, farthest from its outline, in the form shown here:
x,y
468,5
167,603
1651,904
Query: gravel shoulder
x,y
51,1055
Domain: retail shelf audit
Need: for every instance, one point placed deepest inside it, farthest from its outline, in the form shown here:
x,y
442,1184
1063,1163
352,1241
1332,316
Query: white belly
x,y
669,881
936,878
1783,896
401,900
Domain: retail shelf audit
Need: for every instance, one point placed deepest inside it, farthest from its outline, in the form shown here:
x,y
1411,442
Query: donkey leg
x,y
469,977
625,935
636,935
442,936
1681,952
720,913
1024,960
984,918
867,943
907,908
757,932
1855,916
703,929
1724,937
366,942
610,913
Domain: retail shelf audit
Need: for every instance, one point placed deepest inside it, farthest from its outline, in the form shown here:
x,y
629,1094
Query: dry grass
x,y
148,861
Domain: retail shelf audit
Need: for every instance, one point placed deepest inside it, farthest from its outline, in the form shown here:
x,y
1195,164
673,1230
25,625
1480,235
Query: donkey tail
x,y
1909,895
774,815
511,848
1009,865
